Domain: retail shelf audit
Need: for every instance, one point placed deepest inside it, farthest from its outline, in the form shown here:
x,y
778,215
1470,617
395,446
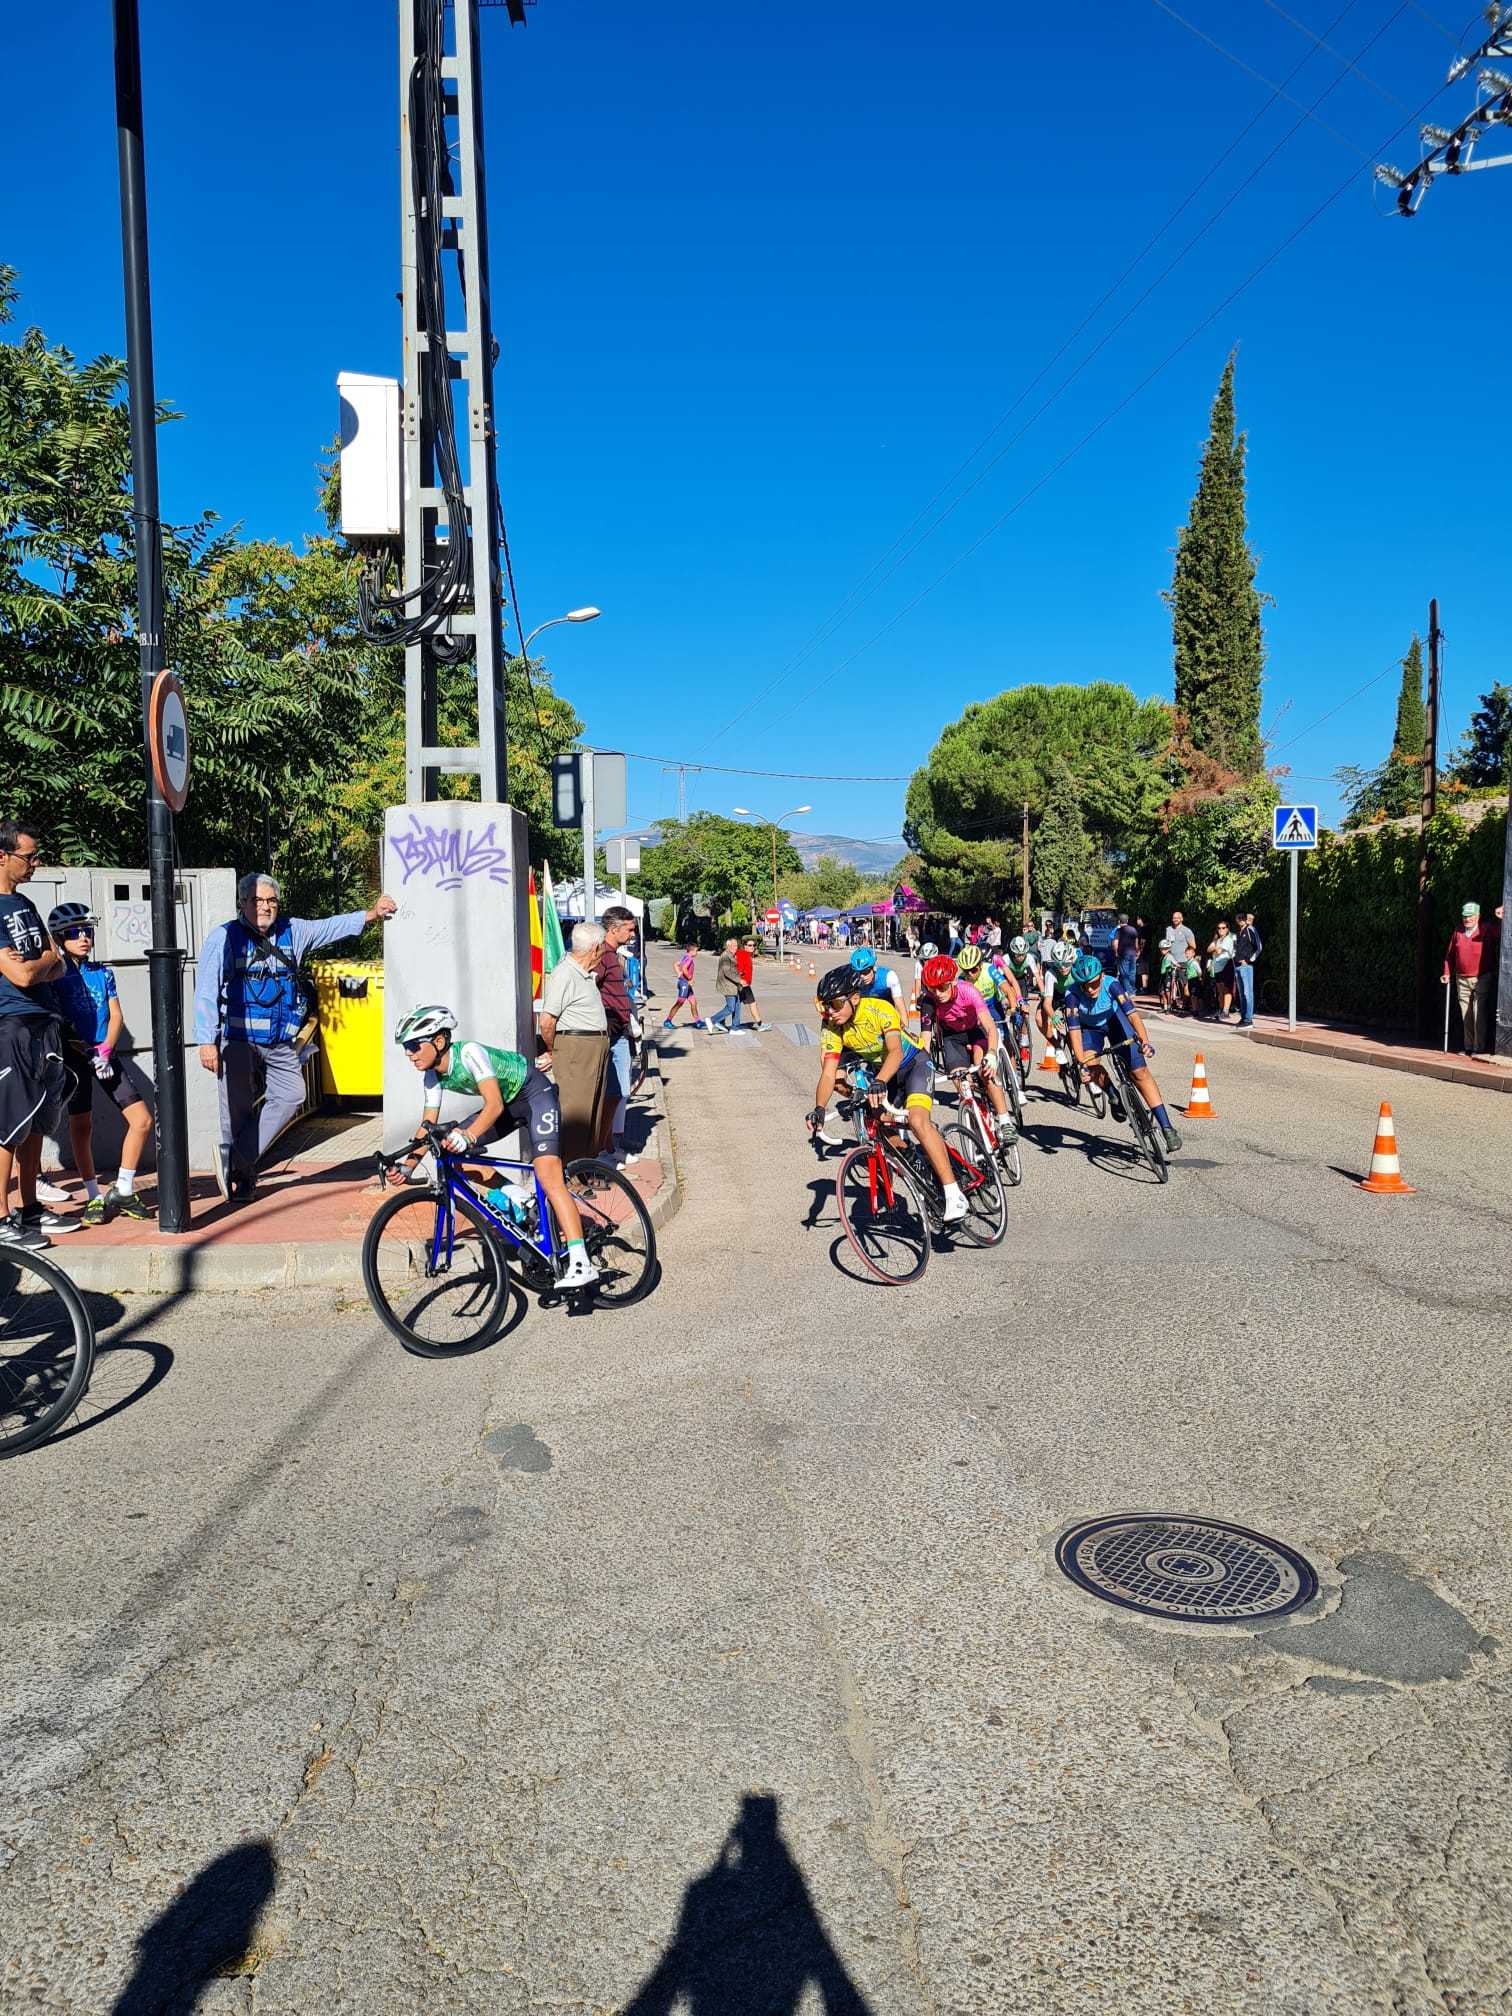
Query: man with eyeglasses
x,y
250,1016
33,1074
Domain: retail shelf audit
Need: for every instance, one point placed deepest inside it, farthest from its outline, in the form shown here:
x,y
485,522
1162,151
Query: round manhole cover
x,y
1203,1571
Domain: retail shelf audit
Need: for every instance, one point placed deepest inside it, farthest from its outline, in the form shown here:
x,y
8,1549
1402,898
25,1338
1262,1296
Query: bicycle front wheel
x,y
883,1216
617,1231
440,1296
981,1181
1098,1097
47,1347
1147,1134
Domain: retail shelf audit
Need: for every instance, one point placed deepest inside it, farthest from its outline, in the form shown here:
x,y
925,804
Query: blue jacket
x,y
247,996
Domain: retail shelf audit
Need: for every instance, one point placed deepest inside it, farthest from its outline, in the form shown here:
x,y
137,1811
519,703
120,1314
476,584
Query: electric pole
x,y
1024,894
1427,993
165,957
1450,150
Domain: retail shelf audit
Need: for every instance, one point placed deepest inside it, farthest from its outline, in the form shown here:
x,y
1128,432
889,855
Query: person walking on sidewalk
x,y
33,1073
1471,960
727,979
1247,949
684,971
745,960
623,1025
252,1020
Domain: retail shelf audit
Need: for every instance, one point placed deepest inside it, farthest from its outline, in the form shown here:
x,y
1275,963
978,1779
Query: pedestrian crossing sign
x,y
1295,826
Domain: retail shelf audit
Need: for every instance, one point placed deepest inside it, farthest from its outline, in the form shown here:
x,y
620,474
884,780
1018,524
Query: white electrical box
x,y
371,482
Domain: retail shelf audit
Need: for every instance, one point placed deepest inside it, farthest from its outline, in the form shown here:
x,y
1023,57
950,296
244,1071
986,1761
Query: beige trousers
x,y
579,1064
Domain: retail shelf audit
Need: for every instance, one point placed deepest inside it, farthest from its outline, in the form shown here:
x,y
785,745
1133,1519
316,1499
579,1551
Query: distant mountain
x,y
872,857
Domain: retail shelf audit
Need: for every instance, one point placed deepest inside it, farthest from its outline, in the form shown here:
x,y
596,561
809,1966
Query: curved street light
x,y
584,615
743,812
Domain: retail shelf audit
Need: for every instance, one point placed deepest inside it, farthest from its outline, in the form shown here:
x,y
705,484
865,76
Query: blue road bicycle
x,y
437,1257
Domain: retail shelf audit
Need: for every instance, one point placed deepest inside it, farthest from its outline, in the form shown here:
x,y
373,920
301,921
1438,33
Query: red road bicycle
x,y
892,1205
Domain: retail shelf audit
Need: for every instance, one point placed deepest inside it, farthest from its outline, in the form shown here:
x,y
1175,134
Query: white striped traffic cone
x,y
1201,1106
1385,1178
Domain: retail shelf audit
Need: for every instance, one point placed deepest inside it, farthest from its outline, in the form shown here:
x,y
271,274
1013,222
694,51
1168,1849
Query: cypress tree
x,y
1411,735
1061,863
1215,606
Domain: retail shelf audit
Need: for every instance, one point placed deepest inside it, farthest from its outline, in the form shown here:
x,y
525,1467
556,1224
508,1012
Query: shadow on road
x,y
204,1932
749,1941
116,1384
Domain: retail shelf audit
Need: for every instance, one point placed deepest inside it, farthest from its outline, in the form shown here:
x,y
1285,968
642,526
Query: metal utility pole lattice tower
x,y
451,511
1451,150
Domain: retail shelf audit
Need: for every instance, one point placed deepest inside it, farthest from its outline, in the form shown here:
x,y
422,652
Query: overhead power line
x,y
1112,414
1276,90
793,776
1329,50
1449,150
867,586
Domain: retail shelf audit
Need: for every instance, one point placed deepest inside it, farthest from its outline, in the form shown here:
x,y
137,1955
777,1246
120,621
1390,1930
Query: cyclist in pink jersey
x,y
967,1029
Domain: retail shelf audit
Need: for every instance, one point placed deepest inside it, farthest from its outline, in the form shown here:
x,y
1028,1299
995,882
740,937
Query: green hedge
x,y
1357,926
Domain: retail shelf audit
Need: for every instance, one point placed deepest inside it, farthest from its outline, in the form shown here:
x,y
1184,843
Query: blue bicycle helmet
x,y
1087,970
864,959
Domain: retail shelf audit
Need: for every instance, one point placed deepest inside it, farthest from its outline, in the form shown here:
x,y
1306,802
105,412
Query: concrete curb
x,y
253,1265
1417,1067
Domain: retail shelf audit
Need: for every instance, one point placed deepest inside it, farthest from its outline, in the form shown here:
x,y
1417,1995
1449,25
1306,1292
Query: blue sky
x,y
763,280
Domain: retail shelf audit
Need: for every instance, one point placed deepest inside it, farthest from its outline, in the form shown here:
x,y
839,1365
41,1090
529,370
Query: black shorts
x,y
536,1108
34,1076
118,1088
748,994
958,1048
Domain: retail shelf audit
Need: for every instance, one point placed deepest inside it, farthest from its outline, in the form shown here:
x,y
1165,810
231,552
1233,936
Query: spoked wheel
x,y
1011,1161
1008,1074
1097,1096
1071,1081
47,1348
981,1184
617,1232
1148,1134
438,1279
883,1215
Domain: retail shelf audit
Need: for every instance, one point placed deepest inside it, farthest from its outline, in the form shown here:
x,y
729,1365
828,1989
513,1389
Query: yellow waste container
x,y
349,1003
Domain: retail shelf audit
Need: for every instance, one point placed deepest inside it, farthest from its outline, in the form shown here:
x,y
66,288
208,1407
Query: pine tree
x,y
1062,859
1482,759
1411,737
1215,606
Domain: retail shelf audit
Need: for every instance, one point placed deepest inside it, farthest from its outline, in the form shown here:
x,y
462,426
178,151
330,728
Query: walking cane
x,y
1447,991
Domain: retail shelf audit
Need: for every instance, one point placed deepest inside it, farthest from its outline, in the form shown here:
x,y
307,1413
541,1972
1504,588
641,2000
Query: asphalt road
x,y
711,1657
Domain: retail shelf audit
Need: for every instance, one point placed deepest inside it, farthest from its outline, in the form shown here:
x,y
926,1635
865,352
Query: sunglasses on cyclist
x,y
80,931
417,1043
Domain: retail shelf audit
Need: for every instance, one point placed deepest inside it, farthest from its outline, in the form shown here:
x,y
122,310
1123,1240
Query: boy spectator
x,y
86,992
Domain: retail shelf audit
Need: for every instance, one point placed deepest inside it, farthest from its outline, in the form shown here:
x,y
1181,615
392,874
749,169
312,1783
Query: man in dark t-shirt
x,y
33,1075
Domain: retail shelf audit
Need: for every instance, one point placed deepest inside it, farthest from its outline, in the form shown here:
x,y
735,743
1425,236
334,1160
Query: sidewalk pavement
x,y
1385,1049
305,1227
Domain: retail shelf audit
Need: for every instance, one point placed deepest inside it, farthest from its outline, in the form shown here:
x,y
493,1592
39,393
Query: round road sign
x,y
168,739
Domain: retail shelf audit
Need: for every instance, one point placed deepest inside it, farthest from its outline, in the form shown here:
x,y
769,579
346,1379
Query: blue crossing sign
x,y
1294,827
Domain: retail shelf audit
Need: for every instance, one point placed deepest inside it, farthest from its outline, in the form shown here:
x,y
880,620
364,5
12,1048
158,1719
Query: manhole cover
x,y
1202,1570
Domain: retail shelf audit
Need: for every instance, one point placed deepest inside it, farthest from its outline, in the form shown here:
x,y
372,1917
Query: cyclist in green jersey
x,y
514,1094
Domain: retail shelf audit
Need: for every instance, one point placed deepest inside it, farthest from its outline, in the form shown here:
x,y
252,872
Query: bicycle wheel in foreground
x,y
47,1349
981,1184
617,1232
1147,1133
883,1216
437,1305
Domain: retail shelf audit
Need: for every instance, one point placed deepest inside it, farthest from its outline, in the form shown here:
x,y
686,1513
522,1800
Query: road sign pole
x,y
590,894
1291,956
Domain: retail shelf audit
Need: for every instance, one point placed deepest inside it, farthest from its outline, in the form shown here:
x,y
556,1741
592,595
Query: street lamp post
x,y
743,813
585,758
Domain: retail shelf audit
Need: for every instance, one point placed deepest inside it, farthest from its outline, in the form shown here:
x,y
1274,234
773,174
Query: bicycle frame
x,y
881,1135
454,1184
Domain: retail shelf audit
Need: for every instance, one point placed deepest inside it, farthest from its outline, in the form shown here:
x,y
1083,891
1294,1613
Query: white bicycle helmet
x,y
421,1022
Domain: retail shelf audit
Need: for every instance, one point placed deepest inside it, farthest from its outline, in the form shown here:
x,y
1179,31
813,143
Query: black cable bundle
x,y
399,616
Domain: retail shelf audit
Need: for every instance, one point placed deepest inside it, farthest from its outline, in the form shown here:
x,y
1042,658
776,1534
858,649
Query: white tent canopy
x,y
569,900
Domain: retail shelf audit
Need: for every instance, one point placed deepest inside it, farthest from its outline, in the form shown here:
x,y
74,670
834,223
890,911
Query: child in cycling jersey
x,y
1100,1010
967,1030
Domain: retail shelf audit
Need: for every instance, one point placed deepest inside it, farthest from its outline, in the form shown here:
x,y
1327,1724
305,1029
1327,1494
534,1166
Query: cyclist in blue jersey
x,y
878,982
1101,1010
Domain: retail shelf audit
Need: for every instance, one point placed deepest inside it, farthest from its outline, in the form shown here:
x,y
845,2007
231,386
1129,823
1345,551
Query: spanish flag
x,y
537,942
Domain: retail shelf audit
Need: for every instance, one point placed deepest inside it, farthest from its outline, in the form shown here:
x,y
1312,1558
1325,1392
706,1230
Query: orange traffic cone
x,y
811,969
1385,1177
1201,1107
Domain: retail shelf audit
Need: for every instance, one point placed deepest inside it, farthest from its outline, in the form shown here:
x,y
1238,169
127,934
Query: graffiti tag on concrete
x,y
447,858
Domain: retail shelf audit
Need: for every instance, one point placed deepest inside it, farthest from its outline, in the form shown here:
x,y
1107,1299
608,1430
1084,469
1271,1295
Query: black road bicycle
x,y
1147,1135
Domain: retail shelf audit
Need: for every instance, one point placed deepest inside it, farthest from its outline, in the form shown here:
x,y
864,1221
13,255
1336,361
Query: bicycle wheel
x,y
1098,1097
883,1216
617,1231
1011,1162
1071,1081
1146,1133
47,1347
438,1307
1009,1078
981,1181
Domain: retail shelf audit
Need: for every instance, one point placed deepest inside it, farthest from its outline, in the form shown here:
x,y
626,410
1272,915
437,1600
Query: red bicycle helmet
x,y
941,971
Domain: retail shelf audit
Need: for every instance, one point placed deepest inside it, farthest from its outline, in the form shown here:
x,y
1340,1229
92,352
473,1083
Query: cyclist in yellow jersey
x,y
872,1031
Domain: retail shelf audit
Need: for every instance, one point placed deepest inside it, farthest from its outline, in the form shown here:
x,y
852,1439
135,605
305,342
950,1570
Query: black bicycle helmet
x,y
66,917
839,980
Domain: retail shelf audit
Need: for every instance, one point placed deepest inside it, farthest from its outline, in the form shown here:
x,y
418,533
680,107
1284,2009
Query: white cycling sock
x,y
125,1181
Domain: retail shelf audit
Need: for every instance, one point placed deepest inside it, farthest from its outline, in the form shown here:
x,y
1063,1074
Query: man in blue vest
x,y
249,1011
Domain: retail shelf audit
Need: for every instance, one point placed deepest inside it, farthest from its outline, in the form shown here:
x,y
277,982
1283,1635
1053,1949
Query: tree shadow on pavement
x,y
749,1941
206,1931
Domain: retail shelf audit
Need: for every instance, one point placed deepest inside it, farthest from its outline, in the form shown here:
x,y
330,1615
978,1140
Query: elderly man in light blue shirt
x,y
248,1010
